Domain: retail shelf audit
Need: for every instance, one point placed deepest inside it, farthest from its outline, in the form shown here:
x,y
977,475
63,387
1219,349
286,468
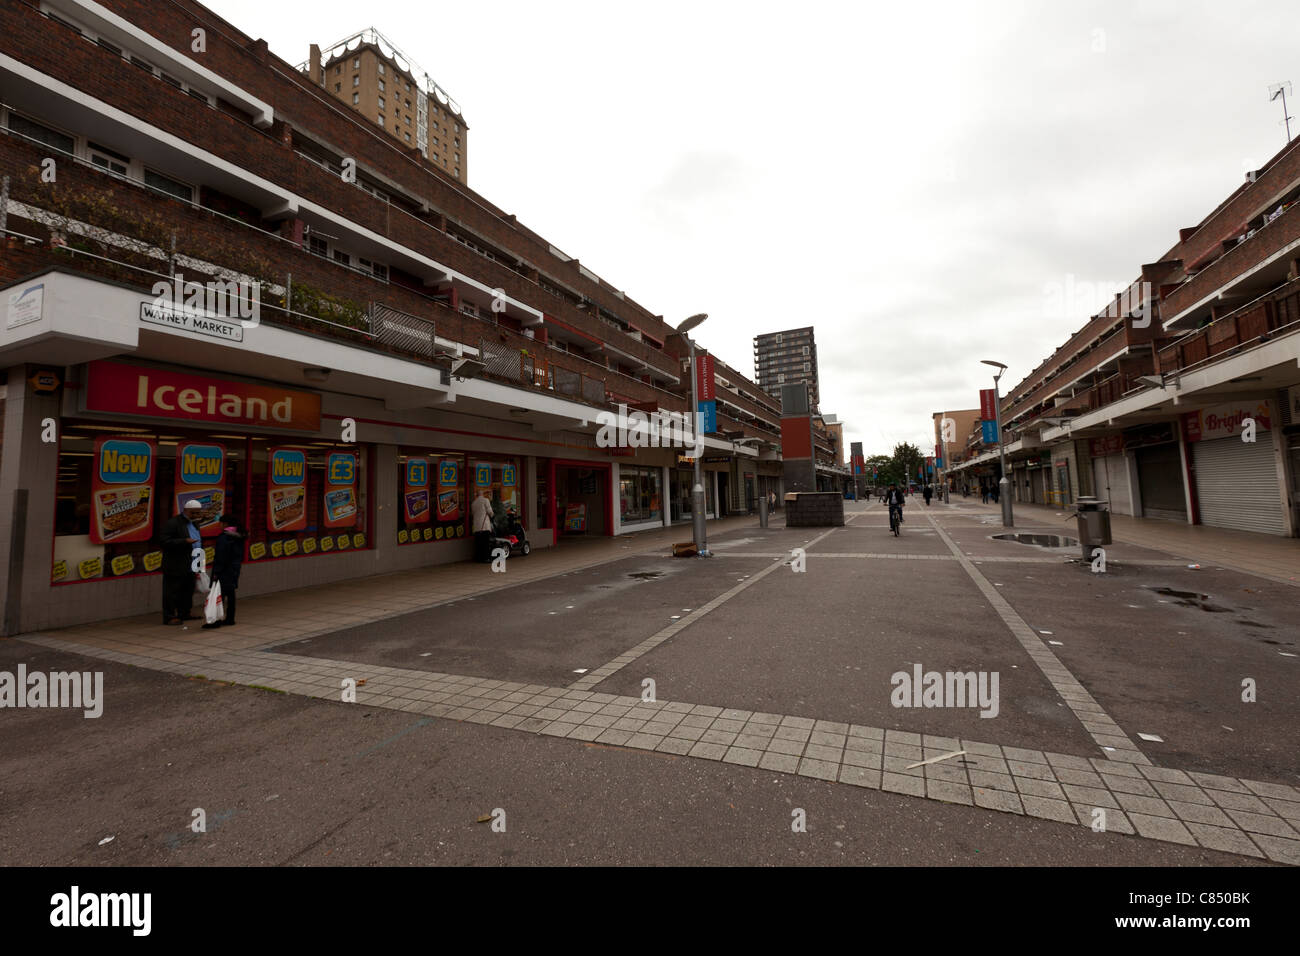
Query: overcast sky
x,y
926,184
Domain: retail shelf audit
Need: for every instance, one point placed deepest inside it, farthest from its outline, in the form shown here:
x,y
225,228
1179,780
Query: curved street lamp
x,y
1004,483
697,490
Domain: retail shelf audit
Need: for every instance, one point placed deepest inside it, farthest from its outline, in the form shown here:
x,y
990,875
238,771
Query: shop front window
x,y
640,494
436,488
305,498
118,486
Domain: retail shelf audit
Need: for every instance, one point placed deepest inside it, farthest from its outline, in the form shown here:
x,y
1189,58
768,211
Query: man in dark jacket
x,y
179,539
228,559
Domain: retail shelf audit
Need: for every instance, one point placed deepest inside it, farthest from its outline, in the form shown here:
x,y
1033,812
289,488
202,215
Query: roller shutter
x,y
1236,484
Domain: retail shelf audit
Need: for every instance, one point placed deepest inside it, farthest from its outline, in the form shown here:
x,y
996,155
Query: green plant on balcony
x,y
312,301
70,207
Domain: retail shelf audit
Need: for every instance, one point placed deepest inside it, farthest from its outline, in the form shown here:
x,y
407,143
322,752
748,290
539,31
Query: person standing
x,y
226,564
481,524
180,537
929,493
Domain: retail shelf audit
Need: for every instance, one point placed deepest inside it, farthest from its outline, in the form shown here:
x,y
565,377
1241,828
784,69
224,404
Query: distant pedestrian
x,y
180,537
226,564
929,493
984,493
481,523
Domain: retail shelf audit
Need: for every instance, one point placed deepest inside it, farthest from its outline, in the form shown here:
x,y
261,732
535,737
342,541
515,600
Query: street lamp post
x,y
697,491
1004,483
943,436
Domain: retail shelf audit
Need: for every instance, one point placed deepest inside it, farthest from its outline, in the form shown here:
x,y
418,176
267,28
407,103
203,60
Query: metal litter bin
x,y
1093,516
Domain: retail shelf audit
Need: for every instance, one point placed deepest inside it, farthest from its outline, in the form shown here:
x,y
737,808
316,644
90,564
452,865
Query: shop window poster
x,y
415,500
340,490
448,490
286,491
122,488
201,477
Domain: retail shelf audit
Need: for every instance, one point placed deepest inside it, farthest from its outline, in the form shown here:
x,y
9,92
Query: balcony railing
x,y
1254,323
1265,241
118,229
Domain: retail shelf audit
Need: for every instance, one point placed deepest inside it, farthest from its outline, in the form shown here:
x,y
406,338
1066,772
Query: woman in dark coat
x,y
226,562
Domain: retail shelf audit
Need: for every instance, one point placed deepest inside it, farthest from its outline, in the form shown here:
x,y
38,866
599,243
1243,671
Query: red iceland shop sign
x,y
123,389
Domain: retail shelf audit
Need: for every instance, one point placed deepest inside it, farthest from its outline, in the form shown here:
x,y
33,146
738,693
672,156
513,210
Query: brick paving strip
x,y
1115,744
1245,817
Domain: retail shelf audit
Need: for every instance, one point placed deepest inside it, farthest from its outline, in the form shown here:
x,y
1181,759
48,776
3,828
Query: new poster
x,y
201,477
286,489
341,490
122,490
415,499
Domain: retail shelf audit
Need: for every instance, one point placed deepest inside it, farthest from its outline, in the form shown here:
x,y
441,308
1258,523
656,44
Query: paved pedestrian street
x,y
621,705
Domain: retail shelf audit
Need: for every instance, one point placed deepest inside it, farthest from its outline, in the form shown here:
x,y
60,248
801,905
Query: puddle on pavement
x,y
1038,540
1190,599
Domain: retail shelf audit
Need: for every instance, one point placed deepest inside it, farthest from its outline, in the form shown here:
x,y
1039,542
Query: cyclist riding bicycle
x,y
895,499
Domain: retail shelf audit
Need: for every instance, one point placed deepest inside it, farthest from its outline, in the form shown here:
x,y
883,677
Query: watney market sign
x,y
1225,421
219,309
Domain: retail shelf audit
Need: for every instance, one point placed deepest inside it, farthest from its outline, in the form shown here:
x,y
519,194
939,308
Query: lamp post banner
x,y
988,404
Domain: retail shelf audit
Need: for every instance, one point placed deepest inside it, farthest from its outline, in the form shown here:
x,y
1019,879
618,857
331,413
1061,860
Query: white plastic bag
x,y
214,608
202,583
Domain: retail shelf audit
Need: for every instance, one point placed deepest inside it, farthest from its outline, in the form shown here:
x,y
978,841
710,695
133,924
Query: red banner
x,y
988,404
704,366
135,390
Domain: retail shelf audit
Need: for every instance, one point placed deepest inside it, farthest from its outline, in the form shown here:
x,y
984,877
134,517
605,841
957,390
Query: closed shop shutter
x,y
1110,483
1160,480
1236,484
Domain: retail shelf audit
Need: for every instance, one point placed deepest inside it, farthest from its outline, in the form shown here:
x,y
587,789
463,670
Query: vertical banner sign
x,y
286,491
416,498
201,477
990,431
340,490
704,371
449,490
122,490
708,417
988,404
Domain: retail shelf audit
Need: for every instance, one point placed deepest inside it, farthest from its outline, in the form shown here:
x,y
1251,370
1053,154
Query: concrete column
x,y
665,495
529,510
615,510
31,464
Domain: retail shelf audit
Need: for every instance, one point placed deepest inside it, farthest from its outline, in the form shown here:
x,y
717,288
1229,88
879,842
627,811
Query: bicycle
x,y
895,519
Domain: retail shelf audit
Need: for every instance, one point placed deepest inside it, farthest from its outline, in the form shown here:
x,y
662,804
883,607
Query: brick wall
x,y
298,103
